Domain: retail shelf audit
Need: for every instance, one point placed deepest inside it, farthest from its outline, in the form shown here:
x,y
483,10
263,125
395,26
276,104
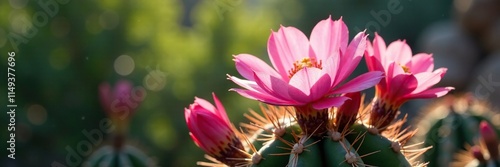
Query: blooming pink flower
x,y
406,76
305,72
211,130
118,101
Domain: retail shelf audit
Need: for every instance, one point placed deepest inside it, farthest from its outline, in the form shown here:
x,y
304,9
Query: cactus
x,y
117,155
451,126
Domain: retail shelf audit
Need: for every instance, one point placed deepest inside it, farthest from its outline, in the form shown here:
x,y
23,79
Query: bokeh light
x,y
37,115
124,65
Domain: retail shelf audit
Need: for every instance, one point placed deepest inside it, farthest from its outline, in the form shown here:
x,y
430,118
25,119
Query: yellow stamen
x,y
303,63
405,68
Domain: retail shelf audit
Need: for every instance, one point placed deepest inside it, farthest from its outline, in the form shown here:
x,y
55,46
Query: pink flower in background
x,y
121,100
406,76
305,72
211,130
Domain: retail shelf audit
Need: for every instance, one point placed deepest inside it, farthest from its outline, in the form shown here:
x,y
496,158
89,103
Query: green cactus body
x,y
344,150
129,156
275,149
342,147
450,127
382,149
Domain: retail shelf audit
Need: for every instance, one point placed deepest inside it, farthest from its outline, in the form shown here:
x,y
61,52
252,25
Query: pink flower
x,y
211,130
305,72
406,77
118,101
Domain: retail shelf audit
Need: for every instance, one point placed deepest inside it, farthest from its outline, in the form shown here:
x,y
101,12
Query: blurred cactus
x,y
485,153
451,126
119,106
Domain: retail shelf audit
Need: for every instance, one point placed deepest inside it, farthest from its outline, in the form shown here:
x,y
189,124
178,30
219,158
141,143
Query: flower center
x,y
303,63
405,68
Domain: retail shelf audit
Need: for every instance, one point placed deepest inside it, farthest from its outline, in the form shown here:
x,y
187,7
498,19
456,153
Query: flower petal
x,y
350,59
428,79
309,84
250,85
402,85
431,93
329,102
379,48
329,37
246,64
399,52
221,111
362,82
422,62
203,104
285,47
273,85
263,97
331,67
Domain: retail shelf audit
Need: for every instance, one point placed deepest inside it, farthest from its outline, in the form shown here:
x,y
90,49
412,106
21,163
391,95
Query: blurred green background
x,y
174,49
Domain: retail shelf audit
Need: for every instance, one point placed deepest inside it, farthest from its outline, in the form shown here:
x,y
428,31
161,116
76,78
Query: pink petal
x,y
221,112
198,143
428,79
350,59
402,85
187,115
272,85
213,129
362,82
394,68
400,52
331,67
246,64
329,37
309,84
285,47
263,97
329,102
431,93
379,48
422,62
250,85
373,64
204,104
